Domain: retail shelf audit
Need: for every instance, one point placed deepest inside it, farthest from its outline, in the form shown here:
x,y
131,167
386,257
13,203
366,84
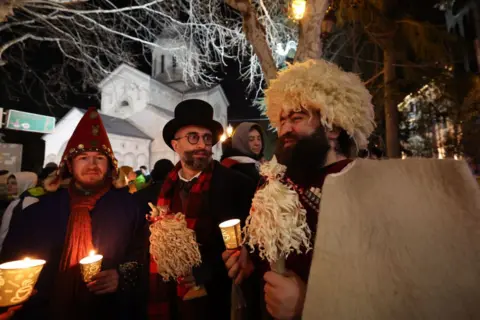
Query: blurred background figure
x,y
145,173
126,178
20,183
150,193
244,150
4,199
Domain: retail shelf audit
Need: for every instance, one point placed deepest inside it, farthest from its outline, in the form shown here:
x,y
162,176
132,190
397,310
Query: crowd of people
x,y
323,115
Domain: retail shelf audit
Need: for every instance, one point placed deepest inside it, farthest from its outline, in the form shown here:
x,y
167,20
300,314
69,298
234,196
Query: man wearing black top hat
x,y
208,194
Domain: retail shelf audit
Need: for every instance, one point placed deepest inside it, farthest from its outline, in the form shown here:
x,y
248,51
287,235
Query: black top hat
x,y
192,112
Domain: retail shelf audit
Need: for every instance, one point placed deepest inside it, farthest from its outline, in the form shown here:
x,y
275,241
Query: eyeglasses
x,y
194,137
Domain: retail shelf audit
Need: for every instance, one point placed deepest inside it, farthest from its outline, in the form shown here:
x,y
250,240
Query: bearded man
x,y
323,115
67,225
207,193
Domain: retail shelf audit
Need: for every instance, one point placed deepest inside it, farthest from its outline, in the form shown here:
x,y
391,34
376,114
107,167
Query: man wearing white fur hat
x,y
323,115
396,239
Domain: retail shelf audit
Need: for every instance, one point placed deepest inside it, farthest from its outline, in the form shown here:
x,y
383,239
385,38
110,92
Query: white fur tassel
x,y
277,223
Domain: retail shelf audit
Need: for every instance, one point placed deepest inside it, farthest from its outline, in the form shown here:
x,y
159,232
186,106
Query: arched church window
x,y
174,62
124,103
162,64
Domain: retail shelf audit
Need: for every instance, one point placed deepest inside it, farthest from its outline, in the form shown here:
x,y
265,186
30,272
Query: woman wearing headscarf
x,y
22,182
246,150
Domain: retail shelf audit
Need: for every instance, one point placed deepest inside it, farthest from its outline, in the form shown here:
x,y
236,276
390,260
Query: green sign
x,y
24,121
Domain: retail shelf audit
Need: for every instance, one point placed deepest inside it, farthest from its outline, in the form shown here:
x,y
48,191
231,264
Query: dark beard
x,y
306,157
196,163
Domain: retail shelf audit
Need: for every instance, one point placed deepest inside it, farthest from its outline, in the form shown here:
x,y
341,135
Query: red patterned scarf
x,y
199,188
78,240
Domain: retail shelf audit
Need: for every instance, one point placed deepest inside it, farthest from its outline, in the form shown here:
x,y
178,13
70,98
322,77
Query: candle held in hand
x,y
90,266
231,233
17,280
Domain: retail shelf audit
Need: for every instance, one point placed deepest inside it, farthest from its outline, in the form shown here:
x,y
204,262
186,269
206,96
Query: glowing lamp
x,y
298,9
223,137
229,130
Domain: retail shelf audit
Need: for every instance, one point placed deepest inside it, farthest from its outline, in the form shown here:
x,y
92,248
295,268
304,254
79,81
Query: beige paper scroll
x,y
397,239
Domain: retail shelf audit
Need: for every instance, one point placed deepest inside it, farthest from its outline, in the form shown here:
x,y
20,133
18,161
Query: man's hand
x,y
104,282
284,295
238,264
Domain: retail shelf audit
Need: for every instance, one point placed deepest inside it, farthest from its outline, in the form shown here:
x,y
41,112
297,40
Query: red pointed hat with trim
x,y
89,135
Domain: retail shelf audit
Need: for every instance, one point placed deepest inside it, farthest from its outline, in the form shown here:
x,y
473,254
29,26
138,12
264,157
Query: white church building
x,y
135,107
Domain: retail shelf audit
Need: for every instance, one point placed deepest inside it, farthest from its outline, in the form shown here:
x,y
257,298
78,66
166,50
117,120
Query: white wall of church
x,y
125,94
133,152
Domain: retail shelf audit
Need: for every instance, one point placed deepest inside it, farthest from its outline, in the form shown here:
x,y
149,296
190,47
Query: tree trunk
x,y
256,35
310,30
391,110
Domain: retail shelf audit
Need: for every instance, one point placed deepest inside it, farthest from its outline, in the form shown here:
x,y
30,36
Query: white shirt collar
x,y
187,180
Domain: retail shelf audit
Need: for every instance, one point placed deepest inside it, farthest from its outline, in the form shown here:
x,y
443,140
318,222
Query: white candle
x,y
231,233
229,223
91,258
22,264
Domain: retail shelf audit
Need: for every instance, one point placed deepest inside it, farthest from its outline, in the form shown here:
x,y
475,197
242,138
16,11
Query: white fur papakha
x,y
277,224
341,97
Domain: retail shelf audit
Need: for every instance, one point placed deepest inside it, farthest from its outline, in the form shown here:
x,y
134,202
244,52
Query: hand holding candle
x,y
17,280
90,266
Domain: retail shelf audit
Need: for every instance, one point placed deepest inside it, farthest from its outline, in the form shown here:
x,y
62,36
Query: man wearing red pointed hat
x,y
89,215
208,194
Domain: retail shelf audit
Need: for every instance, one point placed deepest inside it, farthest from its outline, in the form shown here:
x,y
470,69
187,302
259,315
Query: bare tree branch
x,y
93,40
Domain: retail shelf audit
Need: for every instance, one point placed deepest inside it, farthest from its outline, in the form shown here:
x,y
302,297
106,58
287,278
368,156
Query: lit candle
x,y
22,264
91,258
17,280
231,233
90,266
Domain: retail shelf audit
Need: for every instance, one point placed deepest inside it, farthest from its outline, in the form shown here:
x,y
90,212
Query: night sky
x,y
33,146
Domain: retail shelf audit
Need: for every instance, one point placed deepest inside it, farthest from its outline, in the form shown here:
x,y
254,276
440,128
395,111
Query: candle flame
x,y
92,253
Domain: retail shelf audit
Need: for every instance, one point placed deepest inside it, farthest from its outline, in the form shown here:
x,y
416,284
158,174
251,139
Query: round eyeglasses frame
x,y
193,138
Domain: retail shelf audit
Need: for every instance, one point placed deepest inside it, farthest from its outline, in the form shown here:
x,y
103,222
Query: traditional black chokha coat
x,y
229,197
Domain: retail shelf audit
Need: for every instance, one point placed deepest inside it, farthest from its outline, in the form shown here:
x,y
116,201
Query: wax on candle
x,y
229,223
22,264
92,257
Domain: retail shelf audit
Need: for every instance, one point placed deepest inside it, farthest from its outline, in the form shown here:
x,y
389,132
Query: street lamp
x,y
298,9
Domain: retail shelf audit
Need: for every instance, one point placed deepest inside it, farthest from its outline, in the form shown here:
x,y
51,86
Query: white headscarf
x,y
25,181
